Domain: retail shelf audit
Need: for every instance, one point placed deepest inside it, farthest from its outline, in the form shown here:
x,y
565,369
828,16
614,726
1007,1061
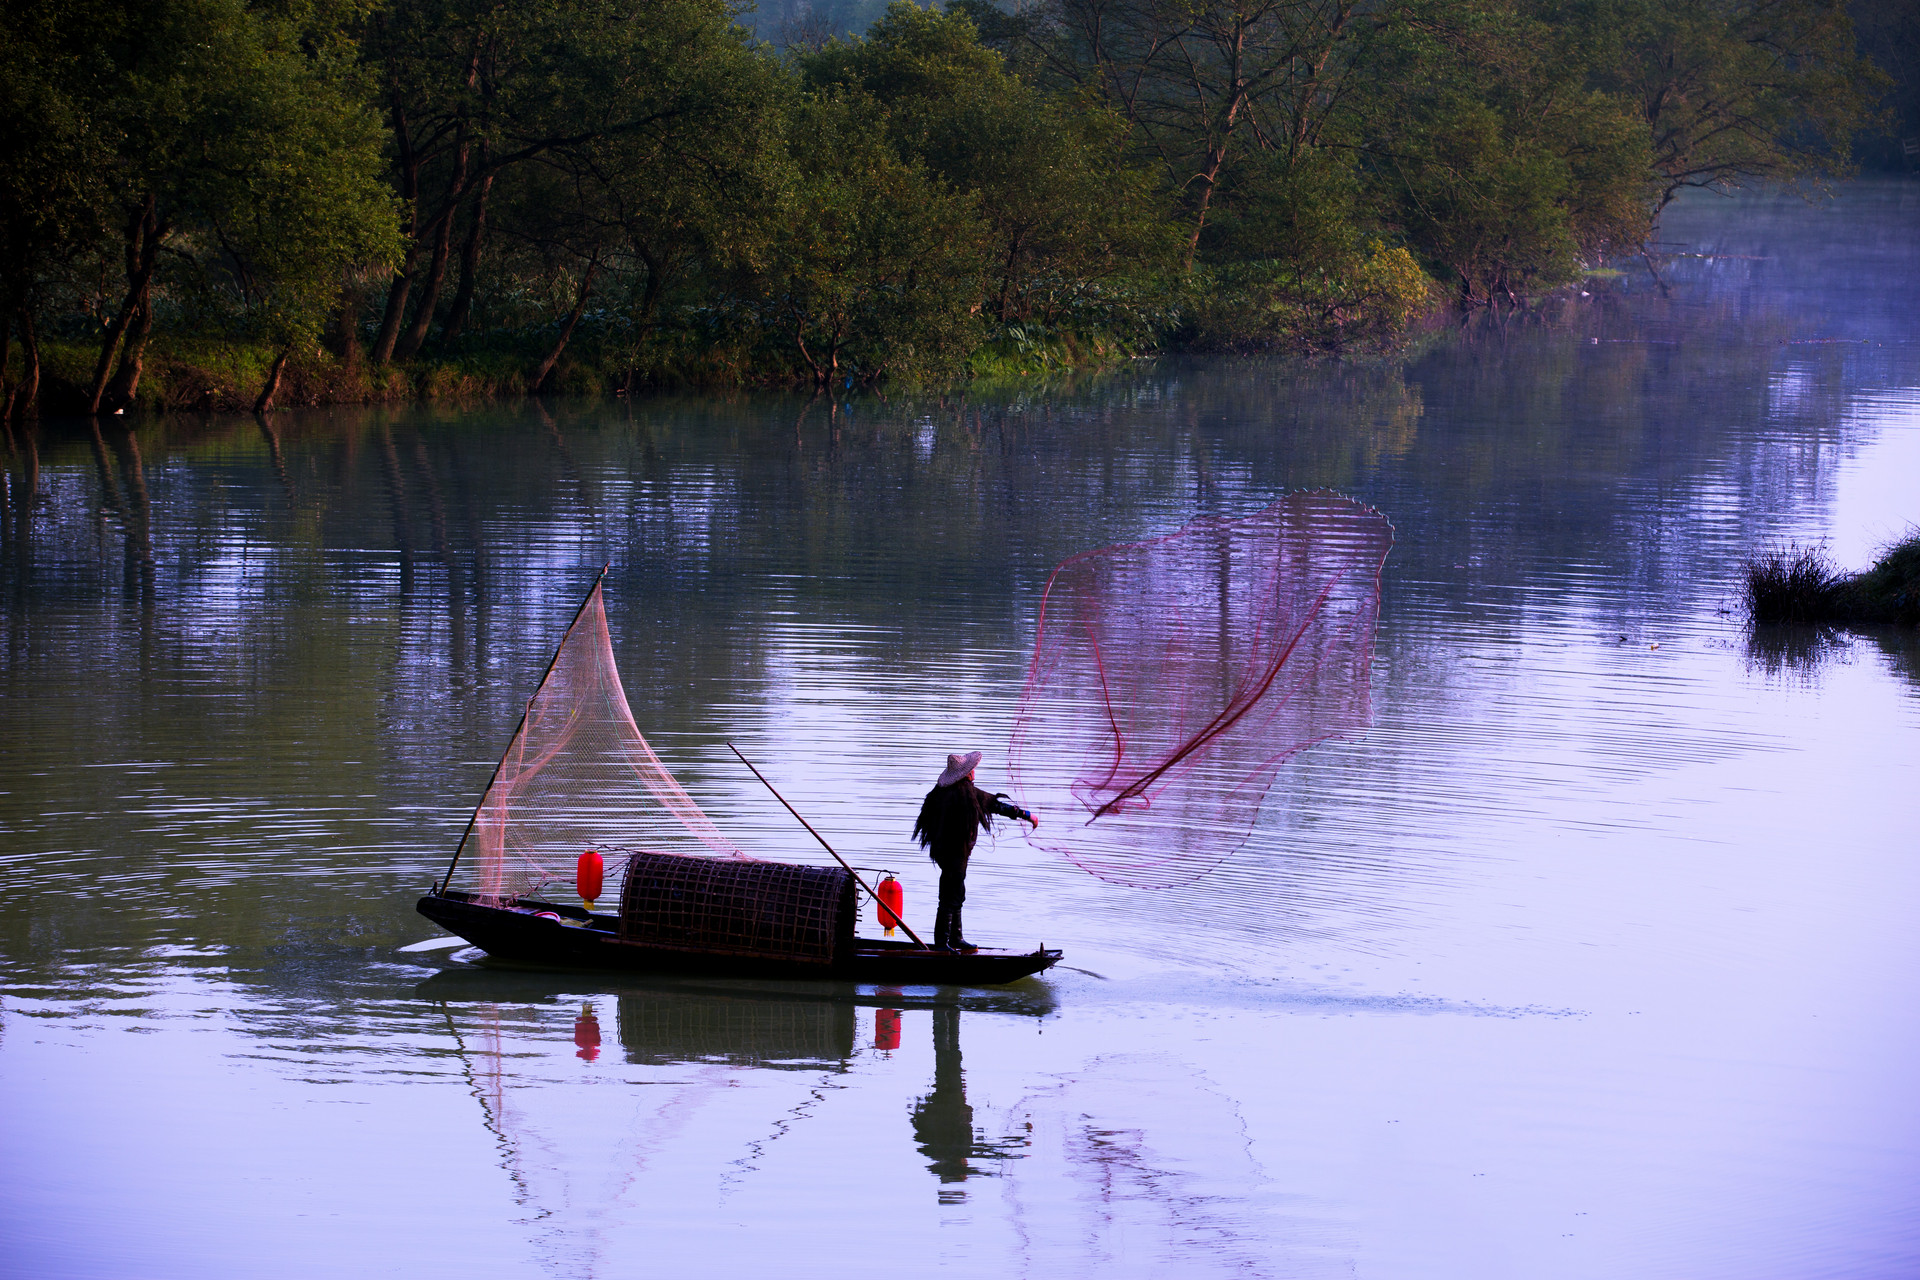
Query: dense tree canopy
x,y
648,190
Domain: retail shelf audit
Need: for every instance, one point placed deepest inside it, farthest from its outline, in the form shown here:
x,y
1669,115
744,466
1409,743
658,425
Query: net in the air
x,y
578,775
1171,679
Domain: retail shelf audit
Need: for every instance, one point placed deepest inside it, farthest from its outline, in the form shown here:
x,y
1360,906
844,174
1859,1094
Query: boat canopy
x,y
770,910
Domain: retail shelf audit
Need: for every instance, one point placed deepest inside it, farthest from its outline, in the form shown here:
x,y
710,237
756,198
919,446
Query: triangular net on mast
x,y
578,775
1171,679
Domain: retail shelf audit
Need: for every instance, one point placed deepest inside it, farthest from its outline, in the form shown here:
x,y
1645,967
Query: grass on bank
x,y
1375,303
186,374
1803,585
204,375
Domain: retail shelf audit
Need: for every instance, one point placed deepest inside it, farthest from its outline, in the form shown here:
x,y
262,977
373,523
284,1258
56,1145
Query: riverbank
x,y
199,375
1803,585
185,374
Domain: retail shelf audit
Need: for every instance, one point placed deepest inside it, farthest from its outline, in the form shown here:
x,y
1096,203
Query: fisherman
x,y
951,818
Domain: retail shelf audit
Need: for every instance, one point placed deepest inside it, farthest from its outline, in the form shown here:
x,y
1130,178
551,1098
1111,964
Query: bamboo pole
x,y
824,845
598,578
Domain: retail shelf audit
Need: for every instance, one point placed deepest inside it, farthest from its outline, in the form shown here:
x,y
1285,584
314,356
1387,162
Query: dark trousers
x,y
953,892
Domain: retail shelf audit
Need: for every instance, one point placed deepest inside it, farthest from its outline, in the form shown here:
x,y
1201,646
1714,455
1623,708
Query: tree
x,y
312,206
219,141
475,89
1732,93
1197,83
1491,155
1065,220
52,158
874,264
686,194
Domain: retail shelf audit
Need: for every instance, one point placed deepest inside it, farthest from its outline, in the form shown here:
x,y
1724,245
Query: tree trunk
x,y
142,252
342,335
1220,138
267,392
1004,305
133,355
566,330
402,283
26,397
469,261
800,340
1216,157
396,309
416,334
6,353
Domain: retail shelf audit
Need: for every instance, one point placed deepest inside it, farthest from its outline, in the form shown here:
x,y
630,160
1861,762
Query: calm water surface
x,y
1594,957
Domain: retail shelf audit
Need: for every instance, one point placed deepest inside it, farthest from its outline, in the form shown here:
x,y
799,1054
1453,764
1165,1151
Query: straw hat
x,y
959,767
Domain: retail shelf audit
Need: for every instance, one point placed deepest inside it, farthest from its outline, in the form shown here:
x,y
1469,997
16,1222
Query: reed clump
x,y
1890,590
1797,584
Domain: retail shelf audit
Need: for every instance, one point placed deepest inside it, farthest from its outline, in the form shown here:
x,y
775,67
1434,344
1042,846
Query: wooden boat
x,y
523,983
718,913
527,931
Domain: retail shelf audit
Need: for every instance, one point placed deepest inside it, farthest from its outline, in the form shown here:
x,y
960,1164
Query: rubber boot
x,y
956,938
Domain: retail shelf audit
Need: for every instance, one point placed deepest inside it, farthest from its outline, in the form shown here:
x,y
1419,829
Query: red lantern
x,y
588,877
892,897
886,1029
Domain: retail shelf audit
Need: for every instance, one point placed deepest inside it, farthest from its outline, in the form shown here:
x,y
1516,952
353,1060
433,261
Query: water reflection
x,y
943,1126
581,1144
1793,650
1141,1166
1125,1164
663,1028
1800,653
139,583
1901,648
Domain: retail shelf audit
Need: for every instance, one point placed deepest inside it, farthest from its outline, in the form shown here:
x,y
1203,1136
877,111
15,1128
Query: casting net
x,y
578,776
1172,678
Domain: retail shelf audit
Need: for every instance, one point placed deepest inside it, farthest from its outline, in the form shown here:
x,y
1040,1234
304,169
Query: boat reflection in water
x,y
609,1117
625,1114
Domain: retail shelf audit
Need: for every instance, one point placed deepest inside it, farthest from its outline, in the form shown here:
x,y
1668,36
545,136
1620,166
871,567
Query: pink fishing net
x,y
1172,678
578,775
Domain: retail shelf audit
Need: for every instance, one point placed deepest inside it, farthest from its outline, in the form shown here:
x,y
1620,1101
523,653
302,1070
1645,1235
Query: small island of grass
x,y
1803,585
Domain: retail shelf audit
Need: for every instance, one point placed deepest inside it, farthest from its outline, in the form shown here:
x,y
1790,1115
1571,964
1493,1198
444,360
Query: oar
x,y
824,845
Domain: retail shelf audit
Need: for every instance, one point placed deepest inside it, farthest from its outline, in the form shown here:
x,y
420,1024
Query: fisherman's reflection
x,y
943,1125
719,1033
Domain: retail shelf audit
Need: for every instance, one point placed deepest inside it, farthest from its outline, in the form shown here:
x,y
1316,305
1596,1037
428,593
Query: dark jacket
x,y
952,817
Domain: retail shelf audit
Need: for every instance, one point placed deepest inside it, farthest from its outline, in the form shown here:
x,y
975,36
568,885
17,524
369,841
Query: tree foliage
x,y
1733,92
646,181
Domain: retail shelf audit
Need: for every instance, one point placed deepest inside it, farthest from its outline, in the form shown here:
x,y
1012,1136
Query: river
x,y
1593,956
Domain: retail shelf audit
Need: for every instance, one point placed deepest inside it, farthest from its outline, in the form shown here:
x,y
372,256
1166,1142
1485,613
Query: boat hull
x,y
581,941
